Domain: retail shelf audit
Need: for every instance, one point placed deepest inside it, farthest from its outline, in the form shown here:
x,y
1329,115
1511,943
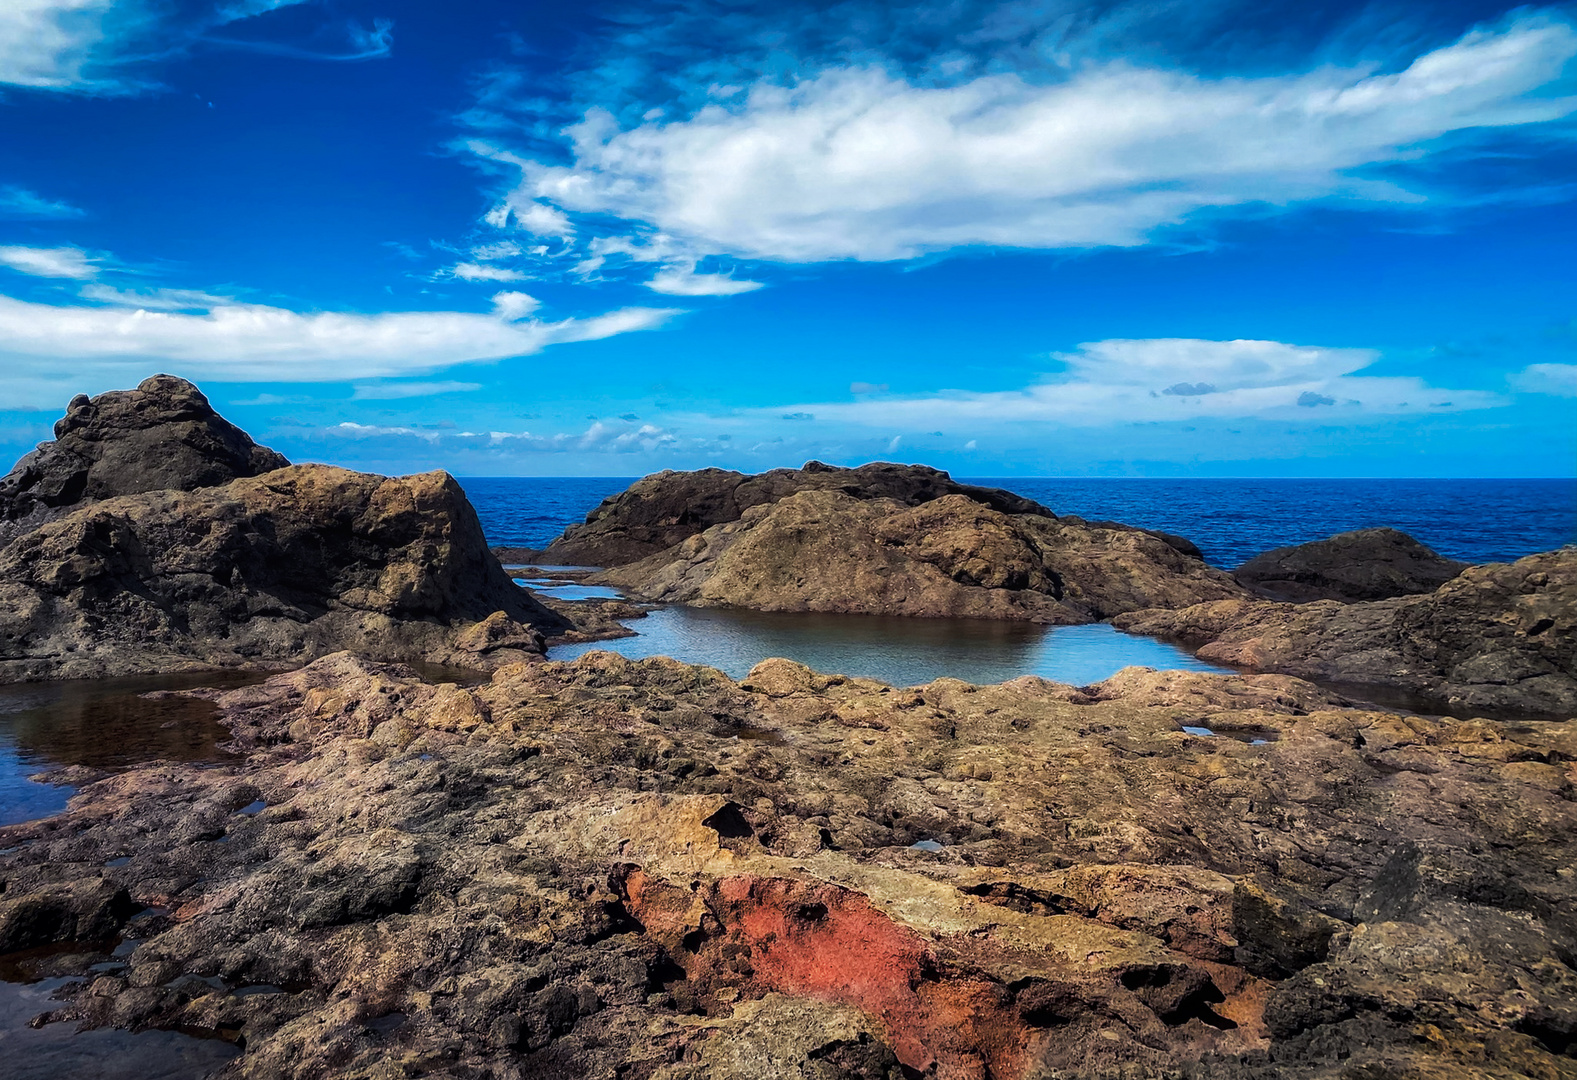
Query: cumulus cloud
x,y
58,262
19,202
684,281
1125,381
513,306
1557,379
47,349
856,162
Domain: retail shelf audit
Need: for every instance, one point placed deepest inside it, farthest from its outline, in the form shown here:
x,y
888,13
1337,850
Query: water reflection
x,y
898,651
101,724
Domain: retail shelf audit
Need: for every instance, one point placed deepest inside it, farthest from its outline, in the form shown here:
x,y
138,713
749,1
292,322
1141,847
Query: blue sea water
x,y
1231,520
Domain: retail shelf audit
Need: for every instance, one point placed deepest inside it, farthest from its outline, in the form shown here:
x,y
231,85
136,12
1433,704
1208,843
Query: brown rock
x,y
161,436
1367,564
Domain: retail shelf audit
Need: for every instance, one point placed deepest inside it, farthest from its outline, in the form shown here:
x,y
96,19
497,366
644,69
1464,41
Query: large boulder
x,y
1497,637
161,436
666,508
1365,564
950,556
274,569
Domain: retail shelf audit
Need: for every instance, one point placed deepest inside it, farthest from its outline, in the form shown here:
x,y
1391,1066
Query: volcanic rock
x,y
274,569
1366,564
666,508
948,556
161,436
1497,637
617,868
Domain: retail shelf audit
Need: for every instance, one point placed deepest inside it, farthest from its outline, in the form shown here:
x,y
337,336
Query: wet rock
x,y
580,870
950,556
1496,637
1366,564
161,436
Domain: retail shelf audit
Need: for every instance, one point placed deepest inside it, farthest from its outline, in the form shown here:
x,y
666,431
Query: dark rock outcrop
x,y
644,869
279,568
161,436
1365,564
1500,637
950,556
666,508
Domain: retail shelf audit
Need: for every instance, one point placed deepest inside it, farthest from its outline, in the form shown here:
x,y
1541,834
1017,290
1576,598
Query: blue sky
x,y
1034,237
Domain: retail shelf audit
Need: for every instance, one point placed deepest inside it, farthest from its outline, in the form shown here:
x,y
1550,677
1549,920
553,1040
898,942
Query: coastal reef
x,y
952,555
1497,637
1365,564
224,568
642,869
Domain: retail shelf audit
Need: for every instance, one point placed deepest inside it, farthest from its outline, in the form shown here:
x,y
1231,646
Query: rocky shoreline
x,y
644,870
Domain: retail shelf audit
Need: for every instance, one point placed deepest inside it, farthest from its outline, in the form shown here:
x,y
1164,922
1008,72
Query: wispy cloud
x,y
483,272
1557,379
598,438
684,281
857,162
47,349
19,202
396,391
59,262
1116,382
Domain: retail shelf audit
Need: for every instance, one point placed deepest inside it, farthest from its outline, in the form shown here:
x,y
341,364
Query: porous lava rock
x,y
1497,637
666,508
950,556
275,569
642,868
164,435
1365,564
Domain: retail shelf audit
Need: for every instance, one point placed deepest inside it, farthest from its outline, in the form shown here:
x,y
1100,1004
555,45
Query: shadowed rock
x,y
1501,636
1365,564
161,436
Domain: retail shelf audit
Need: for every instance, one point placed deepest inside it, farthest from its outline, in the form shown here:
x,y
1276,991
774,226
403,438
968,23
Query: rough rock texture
x,y
949,556
1366,564
161,436
1497,637
279,568
666,508
642,869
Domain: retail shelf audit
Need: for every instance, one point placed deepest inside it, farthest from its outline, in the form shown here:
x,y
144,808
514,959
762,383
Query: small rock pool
x,y
899,651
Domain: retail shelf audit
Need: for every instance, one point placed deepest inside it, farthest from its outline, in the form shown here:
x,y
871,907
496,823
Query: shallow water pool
x,y
898,651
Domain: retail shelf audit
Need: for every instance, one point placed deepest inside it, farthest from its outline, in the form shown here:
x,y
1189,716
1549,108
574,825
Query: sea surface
x,y
1231,520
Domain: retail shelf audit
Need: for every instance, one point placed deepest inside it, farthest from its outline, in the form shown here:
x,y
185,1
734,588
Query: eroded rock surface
x,y
280,568
666,508
949,556
642,869
1501,636
1365,564
161,436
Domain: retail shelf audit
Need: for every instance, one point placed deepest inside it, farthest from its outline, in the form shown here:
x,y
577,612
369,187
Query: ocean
x,y
1232,520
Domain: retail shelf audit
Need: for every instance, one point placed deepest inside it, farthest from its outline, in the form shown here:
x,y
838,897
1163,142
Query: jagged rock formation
x,y
666,508
161,436
115,574
948,556
1365,564
615,868
1501,636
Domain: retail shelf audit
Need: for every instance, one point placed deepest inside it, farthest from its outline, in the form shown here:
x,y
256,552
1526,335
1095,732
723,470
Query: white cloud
x,y
155,299
504,249
59,262
1557,379
392,391
598,438
19,202
479,272
684,281
1125,381
512,306
46,44
47,351
857,163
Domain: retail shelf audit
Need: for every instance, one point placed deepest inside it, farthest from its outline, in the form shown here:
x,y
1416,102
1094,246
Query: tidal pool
x,y
897,651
